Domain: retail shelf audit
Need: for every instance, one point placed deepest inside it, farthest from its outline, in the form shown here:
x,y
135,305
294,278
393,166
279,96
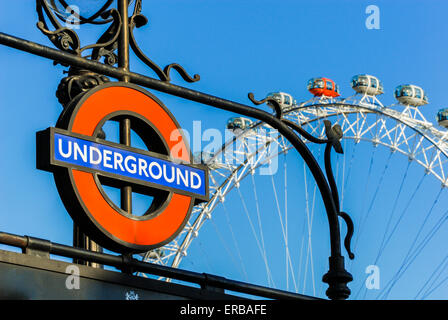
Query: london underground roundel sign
x,y
82,163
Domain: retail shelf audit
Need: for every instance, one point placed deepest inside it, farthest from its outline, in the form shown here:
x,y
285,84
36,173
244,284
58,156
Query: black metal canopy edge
x,y
124,262
337,277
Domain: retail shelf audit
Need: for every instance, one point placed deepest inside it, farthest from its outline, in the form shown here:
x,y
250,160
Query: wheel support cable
x,y
407,258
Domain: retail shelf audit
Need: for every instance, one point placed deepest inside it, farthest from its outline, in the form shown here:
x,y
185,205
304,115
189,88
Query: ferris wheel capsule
x,y
367,84
238,123
410,95
205,157
285,100
323,87
442,118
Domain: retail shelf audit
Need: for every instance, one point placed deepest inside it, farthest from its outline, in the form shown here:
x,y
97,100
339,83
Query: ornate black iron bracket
x,y
66,39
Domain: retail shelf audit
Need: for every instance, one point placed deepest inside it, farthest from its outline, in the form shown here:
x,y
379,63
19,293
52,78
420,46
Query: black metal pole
x,y
338,289
123,63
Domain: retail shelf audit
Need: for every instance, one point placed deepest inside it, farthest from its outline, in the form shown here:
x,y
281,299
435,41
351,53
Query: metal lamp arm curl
x,y
138,20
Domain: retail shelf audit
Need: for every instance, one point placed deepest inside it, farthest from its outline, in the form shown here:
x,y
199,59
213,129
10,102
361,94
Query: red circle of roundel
x,y
114,229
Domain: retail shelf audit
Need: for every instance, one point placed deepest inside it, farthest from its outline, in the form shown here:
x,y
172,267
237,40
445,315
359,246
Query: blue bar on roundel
x,y
108,159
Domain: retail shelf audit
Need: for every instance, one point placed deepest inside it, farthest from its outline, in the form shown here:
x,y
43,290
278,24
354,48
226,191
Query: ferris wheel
x,y
266,216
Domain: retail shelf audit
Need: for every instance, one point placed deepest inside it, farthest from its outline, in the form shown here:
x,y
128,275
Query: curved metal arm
x,y
277,108
92,18
307,156
279,114
348,236
304,133
109,37
138,20
66,39
334,135
181,71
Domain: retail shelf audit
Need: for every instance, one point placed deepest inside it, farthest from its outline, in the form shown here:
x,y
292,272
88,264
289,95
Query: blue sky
x,y
239,47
